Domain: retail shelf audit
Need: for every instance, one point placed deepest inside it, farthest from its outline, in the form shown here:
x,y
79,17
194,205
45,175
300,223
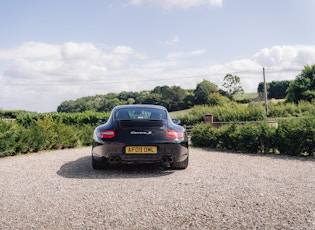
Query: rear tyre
x,y
180,165
99,165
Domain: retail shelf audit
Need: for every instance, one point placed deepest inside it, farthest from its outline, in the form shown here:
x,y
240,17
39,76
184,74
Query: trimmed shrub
x,y
292,137
228,112
296,136
56,134
224,137
88,117
217,99
204,135
303,108
42,134
85,134
8,132
246,138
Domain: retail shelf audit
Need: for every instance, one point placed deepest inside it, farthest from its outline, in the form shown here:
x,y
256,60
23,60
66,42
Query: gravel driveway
x,y
60,190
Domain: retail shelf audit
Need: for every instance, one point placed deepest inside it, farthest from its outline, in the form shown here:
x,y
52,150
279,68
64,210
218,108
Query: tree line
x,y
175,98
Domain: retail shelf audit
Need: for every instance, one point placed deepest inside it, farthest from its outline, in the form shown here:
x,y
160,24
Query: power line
x,y
151,80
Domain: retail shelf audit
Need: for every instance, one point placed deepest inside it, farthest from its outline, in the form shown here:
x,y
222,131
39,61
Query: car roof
x,y
140,106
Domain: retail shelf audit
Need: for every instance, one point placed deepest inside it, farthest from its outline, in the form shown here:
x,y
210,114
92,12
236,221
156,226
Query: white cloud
x,y
286,56
185,4
80,51
31,50
118,56
74,61
38,72
38,81
178,55
280,63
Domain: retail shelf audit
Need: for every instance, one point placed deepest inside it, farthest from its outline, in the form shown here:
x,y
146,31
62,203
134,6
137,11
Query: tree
x,y
171,97
303,87
189,100
232,85
275,89
130,101
217,99
177,97
152,98
107,104
203,90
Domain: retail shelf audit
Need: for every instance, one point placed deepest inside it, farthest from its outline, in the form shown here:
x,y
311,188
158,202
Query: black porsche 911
x,y
140,134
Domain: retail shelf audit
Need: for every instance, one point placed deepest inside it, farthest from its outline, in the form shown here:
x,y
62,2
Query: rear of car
x,y
140,134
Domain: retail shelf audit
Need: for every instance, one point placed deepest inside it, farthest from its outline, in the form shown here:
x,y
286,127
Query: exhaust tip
x,y
111,160
166,159
114,160
170,159
117,159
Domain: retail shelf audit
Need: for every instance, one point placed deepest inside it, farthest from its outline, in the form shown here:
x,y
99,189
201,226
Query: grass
x,y
180,113
246,96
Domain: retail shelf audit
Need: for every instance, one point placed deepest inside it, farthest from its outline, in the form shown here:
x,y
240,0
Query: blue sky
x,y
57,50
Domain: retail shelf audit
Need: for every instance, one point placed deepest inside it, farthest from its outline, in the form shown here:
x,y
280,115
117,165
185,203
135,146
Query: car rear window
x,y
140,114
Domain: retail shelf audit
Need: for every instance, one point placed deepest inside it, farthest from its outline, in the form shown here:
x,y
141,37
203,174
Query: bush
x,y
217,99
30,139
204,135
246,138
56,134
11,114
228,112
303,108
224,139
33,133
85,134
292,137
296,136
88,117
8,133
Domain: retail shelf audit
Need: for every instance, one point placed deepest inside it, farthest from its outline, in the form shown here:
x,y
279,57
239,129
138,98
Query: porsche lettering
x,y
140,133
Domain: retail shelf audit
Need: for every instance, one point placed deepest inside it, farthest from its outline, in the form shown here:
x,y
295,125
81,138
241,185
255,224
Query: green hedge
x,y
42,135
228,112
303,108
296,136
27,119
251,112
292,137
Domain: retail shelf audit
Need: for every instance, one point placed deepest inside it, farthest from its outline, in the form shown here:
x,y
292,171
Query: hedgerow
x,y
33,132
227,112
251,112
302,108
295,135
291,137
27,119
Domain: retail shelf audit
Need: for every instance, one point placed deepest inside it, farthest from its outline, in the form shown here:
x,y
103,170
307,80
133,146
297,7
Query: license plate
x,y
141,150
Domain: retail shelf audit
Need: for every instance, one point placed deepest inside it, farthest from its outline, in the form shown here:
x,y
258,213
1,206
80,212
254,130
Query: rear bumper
x,y
114,153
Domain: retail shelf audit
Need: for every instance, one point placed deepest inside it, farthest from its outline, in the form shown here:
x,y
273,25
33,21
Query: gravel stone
x,y
218,190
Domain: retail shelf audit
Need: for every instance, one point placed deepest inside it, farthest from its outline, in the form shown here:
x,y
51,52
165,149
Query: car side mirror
x,y
176,121
102,121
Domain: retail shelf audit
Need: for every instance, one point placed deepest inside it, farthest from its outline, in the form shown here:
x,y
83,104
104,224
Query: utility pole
x,y
265,91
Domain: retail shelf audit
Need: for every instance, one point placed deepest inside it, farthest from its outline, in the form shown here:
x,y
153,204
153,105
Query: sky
x,y
57,50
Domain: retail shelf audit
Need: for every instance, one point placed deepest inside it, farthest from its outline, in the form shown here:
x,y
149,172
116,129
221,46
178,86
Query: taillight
x,y
174,134
106,134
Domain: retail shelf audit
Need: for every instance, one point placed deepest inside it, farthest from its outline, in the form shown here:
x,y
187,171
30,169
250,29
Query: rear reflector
x,y
174,134
107,134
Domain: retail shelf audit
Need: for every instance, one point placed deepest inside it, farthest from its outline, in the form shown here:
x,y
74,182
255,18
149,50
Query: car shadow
x,y
82,169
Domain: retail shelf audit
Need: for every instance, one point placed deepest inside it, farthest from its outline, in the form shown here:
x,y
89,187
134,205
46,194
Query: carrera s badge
x,y
140,133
